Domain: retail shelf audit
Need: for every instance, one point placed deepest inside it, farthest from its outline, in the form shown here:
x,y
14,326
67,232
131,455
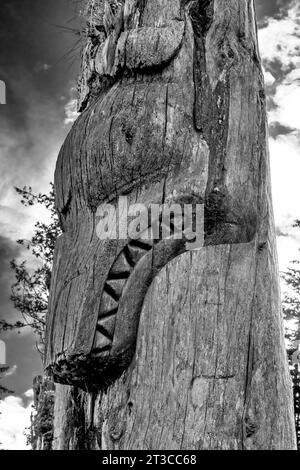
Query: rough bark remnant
x,y
41,429
173,110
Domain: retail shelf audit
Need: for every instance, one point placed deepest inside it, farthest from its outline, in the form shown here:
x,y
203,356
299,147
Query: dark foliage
x,y
291,311
30,291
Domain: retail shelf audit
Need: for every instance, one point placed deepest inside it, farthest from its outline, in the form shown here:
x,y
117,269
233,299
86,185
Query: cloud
x,y
287,101
11,371
8,251
71,113
31,123
269,79
272,8
279,39
37,69
29,393
280,50
14,419
285,171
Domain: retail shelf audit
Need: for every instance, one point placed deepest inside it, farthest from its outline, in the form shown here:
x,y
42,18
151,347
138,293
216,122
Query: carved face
x,y
155,126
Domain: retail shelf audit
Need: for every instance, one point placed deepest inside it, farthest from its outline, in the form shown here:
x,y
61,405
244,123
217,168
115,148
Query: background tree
x,y
291,300
40,433
291,311
31,288
30,293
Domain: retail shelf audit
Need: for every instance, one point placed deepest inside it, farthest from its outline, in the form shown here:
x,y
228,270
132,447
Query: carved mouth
x,y
122,300
117,280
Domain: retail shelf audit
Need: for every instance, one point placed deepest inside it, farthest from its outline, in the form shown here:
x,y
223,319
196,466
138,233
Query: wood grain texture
x,y
210,369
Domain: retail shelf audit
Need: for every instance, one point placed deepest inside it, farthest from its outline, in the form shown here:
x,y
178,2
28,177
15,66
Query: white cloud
x,y
285,170
269,79
288,250
11,371
279,40
16,220
280,45
29,393
71,112
71,108
14,419
287,100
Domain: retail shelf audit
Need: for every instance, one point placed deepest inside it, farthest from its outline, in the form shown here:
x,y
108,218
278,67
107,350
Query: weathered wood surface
x,y
217,357
210,369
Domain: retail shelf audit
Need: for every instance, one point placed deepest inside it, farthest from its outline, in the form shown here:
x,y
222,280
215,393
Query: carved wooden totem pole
x,y
159,347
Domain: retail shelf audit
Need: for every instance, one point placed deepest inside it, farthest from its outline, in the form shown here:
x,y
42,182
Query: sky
x,y
39,62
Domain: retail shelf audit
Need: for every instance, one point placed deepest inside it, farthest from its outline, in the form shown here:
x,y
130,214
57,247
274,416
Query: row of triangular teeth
x,y
112,291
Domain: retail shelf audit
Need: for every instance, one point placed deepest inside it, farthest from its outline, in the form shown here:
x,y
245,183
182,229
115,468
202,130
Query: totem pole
x,y
178,348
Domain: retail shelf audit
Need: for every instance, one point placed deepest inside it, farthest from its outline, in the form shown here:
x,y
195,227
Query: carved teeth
x,y
112,292
108,313
108,304
145,245
121,268
114,288
106,326
129,256
135,251
101,341
118,275
109,290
